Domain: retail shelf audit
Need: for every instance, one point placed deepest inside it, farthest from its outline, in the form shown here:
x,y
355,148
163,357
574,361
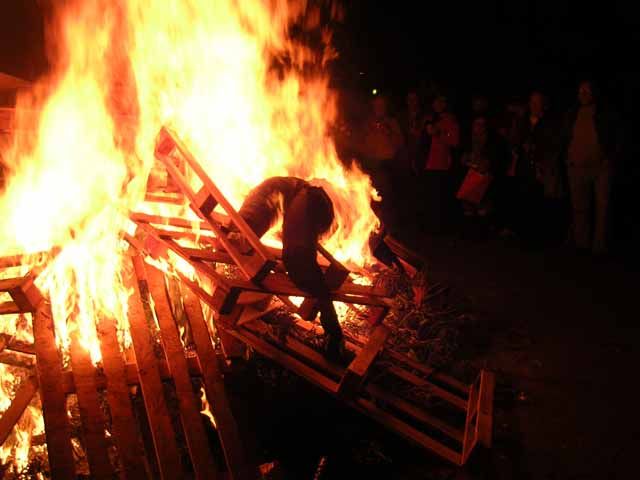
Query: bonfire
x,y
155,121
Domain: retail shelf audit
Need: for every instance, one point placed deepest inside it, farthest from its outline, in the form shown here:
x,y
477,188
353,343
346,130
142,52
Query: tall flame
x,y
249,100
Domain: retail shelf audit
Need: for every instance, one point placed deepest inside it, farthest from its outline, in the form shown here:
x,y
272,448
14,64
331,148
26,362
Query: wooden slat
x,y
164,198
227,427
485,408
164,439
123,424
254,270
19,403
429,372
417,413
16,360
286,360
8,308
156,247
407,431
302,351
202,460
91,416
237,220
250,314
206,203
470,433
360,365
10,343
54,408
231,347
23,292
377,315
434,389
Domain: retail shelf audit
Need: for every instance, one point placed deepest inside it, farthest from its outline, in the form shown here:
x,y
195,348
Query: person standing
x,y
592,147
435,163
383,141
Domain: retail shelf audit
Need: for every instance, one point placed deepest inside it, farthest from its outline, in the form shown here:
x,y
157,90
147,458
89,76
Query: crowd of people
x,y
520,170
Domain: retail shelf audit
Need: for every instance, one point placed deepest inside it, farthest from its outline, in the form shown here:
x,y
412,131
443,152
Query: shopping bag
x,y
474,187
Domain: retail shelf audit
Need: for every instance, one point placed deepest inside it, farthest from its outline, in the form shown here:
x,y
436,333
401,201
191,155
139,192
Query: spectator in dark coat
x,y
535,171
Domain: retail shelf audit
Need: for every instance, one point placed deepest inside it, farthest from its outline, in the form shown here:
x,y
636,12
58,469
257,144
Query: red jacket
x,y
445,137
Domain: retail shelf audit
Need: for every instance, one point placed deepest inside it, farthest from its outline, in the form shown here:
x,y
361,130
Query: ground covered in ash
x,y
557,329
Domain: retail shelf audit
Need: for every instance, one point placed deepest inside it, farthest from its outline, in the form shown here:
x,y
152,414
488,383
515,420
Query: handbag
x,y
474,186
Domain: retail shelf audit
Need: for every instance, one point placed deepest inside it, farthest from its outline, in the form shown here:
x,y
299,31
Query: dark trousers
x,y
306,274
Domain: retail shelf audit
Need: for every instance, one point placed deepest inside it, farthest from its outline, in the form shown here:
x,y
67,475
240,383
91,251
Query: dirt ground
x,y
562,332
559,330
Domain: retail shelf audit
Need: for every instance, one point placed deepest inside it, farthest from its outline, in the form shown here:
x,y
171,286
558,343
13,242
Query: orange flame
x,y
249,101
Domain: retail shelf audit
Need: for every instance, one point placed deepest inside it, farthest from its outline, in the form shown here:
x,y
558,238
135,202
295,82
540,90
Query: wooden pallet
x,y
142,434
158,236
464,414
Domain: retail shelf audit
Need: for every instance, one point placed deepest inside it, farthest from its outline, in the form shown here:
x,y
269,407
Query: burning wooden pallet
x,y
142,434
144,395
242,302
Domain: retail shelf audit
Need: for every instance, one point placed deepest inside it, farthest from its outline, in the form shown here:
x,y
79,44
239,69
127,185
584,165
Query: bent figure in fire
x,y
307,214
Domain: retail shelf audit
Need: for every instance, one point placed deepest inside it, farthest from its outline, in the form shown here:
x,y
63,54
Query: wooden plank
x,y
227,427
123,424
54,402
302,351
417,413
250,314
164,439
206,203
155,246
23,292
20,402
131,376
10,343
286,360
253,270
407,431
377,315
231,347
485,408
280,285
355,374
16,360
429,372
235,217
440,392
12,261
470,432
201,458
164,198
9,308
92,419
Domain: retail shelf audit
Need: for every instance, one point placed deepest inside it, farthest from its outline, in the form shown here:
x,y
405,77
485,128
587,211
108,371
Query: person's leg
x,y
602,196
581,192
307,275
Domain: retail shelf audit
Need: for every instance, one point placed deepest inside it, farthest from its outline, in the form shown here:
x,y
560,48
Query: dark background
x,y
498,47
502,48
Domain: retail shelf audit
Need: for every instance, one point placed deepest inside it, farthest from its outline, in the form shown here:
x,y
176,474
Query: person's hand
x,y
429,129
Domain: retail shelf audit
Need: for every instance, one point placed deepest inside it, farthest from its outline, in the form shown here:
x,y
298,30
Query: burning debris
x,y
125,266
257,286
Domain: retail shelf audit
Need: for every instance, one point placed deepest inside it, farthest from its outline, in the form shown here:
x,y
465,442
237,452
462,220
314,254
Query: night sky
x,y
497,46
500,47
